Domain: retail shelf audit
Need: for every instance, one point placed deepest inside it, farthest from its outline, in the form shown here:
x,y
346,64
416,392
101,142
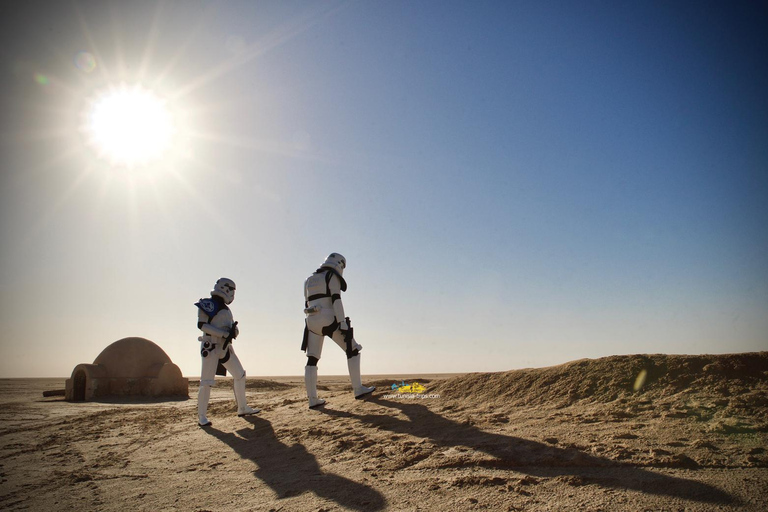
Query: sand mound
x,y
739,379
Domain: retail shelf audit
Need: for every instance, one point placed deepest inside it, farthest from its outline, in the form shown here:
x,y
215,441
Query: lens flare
x,y
84,61
640,380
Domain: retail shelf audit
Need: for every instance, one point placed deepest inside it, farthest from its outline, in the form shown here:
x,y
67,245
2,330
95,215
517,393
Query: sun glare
x,y
130,126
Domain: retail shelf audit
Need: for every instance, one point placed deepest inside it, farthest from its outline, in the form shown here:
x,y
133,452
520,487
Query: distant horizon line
x,y
297,376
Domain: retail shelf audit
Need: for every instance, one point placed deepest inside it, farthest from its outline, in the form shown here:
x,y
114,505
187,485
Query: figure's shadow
x,y
532,457
292,470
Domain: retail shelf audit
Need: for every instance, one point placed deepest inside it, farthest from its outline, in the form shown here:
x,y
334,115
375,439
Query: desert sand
x,y
572,437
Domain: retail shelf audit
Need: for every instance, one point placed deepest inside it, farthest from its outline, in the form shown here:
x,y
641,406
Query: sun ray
x,y
204,203
285,34
97,206
171,230
119,54
274,148
101,64
216,107
193,34
133,220
150,43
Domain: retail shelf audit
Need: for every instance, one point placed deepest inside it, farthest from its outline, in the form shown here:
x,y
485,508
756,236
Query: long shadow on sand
x,y
292,470
531,457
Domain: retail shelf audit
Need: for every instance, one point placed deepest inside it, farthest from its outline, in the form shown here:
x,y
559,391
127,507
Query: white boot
x,y
202,406
310,381
242,405
354,376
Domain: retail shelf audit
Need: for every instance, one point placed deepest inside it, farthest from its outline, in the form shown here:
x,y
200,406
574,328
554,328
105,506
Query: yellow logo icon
x,y
409,388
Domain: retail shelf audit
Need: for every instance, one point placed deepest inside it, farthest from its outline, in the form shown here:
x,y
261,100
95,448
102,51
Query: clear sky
x,y
514,184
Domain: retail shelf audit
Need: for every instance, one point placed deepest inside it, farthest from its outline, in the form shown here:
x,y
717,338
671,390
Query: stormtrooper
x,y
214,318
325,317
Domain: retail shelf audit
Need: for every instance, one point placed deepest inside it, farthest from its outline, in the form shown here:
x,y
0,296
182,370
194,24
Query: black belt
x,y
333,297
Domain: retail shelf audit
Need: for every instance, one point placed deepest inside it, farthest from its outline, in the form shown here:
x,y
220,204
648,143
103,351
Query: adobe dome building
x,y
127,367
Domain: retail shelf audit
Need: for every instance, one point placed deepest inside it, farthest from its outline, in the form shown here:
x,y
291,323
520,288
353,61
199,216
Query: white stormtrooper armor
x,y
325,317
214,318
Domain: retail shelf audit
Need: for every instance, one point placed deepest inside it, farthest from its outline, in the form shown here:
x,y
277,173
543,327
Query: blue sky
x,y
513,184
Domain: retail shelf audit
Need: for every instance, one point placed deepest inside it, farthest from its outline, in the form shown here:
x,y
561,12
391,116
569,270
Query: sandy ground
x,y
570,437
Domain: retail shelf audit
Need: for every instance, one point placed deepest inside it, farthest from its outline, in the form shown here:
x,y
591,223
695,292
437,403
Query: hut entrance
x,y
79,386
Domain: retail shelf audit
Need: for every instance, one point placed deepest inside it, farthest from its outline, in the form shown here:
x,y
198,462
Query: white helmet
x,y
224,288
335,261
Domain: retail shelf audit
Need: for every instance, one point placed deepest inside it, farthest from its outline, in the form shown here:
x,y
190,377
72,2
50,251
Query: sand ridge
x,y
574,436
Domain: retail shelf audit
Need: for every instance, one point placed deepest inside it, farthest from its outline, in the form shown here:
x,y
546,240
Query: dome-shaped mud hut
x,y
127,367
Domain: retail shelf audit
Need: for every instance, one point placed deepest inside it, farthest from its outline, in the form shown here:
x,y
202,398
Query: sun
x,y
130,126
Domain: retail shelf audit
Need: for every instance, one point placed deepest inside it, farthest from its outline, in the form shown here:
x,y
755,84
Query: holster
x,y
220,370
348,337
305,341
